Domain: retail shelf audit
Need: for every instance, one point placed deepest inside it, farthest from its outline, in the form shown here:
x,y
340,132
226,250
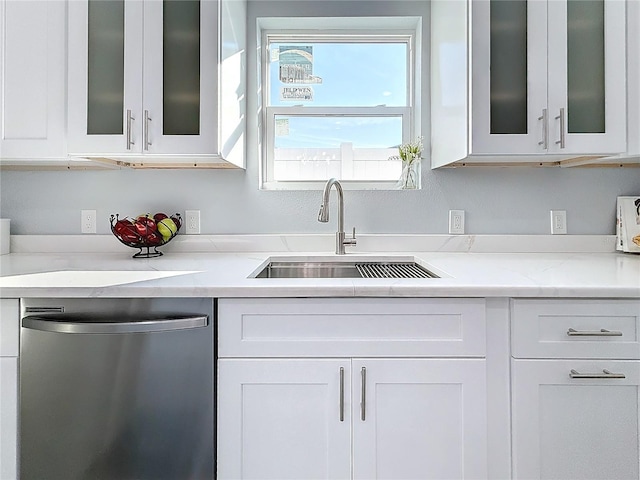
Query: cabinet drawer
x,y
9,327
575,328
351,327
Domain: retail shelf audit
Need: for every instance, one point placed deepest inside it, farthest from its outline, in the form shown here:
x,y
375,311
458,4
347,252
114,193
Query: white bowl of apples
x,y
146,231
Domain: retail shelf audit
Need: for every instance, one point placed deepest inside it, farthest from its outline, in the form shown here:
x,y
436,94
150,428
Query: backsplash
x,y
495,200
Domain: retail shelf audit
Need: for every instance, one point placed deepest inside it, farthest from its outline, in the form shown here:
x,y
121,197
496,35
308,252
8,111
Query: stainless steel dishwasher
x,y
117,389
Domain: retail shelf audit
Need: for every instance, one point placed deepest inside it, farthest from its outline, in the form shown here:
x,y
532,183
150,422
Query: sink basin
x,y
362,268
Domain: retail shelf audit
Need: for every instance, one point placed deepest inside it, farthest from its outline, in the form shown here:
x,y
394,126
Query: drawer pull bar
x,y
363,393
342,394
603,332
605,374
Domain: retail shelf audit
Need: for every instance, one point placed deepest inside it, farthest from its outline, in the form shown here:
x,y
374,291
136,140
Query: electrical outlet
x,y
558,222
456,221
192,222
88,221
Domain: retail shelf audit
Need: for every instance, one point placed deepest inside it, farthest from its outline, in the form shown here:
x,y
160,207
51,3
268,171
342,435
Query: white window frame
x,y
352,29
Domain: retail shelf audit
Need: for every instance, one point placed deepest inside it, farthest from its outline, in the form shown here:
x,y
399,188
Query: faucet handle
x,y
352,240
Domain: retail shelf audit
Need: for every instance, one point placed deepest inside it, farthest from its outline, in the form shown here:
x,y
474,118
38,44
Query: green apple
x,y
167,228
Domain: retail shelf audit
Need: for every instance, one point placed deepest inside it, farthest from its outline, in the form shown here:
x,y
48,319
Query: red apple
x,y
159,216
124,225
145,225
153,238
177,220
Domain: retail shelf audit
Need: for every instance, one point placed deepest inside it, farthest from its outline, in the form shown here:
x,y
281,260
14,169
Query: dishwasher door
x,y
117,389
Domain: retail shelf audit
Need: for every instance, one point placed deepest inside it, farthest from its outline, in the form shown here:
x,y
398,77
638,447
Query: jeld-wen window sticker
x,y
296,72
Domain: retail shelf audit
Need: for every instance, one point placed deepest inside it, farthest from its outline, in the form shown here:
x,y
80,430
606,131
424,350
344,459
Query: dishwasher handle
x,y
141,325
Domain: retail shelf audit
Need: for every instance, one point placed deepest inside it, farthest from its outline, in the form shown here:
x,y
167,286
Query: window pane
x,y
344,147
338,74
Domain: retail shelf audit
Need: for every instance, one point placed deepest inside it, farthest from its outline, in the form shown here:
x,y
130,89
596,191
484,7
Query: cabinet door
x,y
419,419
575,428
509,76
180,77
8,418
587,80
283,419
105,77
33,64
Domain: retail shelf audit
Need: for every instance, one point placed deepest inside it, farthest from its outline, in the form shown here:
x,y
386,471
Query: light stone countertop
x,y
584,267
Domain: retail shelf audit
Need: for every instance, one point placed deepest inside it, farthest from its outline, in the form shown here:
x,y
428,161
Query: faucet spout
x,y
323,215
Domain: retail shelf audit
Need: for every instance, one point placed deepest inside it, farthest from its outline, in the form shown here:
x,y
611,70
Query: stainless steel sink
x,y
344,269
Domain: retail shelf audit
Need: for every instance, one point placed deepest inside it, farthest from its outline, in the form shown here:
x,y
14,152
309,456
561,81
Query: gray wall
x,y
496,200
513,200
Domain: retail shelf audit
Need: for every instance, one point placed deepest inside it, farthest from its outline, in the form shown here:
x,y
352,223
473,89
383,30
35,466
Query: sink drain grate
x,y
393,270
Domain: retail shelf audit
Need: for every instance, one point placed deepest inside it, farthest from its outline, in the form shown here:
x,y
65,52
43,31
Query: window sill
x,y
319,185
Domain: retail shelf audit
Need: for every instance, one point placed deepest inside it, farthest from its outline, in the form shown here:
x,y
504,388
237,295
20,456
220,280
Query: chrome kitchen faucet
x,y
323,216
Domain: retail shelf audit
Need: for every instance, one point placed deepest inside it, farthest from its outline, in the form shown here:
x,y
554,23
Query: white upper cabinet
x,y
527,81
33,96
145,79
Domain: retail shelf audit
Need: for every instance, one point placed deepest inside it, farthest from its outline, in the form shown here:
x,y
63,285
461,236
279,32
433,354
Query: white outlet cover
x,y
88,221
192,222
456,222
558,222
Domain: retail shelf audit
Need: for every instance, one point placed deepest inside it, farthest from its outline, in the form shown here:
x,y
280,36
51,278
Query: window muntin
x,y
336,105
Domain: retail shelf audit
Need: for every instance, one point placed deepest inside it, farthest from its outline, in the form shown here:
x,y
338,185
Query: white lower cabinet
x,y
280,419
297,419
365,415
575,383
419,419
576,428
9,347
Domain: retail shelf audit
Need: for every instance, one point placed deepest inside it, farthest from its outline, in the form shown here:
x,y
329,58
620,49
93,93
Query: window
x,y
337,103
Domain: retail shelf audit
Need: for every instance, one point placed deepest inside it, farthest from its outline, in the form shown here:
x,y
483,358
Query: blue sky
x,y
365,74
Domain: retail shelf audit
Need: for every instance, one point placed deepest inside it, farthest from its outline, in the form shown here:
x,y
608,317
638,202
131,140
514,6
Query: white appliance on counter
x,y
628,224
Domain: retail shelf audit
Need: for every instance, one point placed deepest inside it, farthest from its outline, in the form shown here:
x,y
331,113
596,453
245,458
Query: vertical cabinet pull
x,y
605,374
129,120
603,332
363,394
545,129
561,118
147,119
342,394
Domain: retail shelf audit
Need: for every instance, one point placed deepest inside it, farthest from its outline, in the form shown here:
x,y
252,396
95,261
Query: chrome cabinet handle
x,y
342,394
147,119
130,119
603,332
363,394
605,374
545,129
561,118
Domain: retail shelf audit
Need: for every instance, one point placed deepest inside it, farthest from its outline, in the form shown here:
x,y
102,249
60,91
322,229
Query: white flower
x,y
409,152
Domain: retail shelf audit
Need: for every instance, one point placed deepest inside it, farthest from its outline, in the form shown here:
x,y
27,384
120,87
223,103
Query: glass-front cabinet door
x,y
587,79
105,76
143,77
509,81
548,77
180,77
